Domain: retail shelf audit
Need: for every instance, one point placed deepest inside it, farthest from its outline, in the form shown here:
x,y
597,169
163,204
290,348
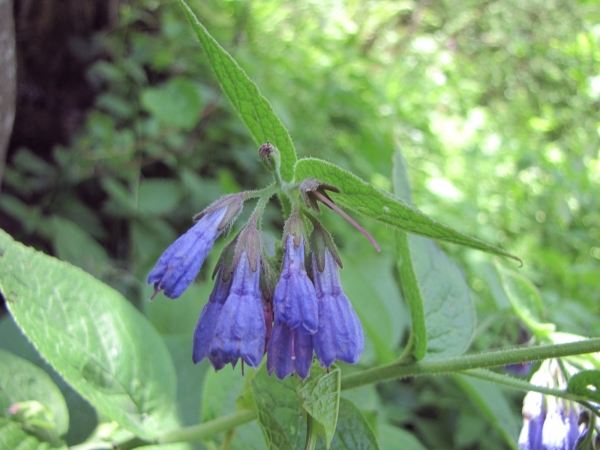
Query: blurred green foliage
x,y
493,104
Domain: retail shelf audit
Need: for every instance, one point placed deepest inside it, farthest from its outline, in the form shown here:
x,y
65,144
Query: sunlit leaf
x,y
384,207
255,110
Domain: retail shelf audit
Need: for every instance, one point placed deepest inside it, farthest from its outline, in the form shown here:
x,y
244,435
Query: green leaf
x,y
353,432
176,103
23,383
221,392
255,110
12,436
443,315
159,196
491,402
385,208
321,399
82,417
377,300
586,383
394,437
278,408
525,299
68,241
94,338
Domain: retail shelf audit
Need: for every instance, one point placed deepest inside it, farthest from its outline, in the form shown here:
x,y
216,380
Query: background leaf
x,y
176,103
255,110
490,400
383,207
586,383
353,432
278,407
82,417
21,381
525,299
443,315
394,437
92,336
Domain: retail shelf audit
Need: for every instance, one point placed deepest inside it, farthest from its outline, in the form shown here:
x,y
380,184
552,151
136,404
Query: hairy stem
x,y
208,429
478,360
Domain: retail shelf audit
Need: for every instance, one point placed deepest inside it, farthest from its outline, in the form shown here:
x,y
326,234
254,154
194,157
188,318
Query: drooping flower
x,y
289,350
340,335
181,262
294,299
549,423
232,324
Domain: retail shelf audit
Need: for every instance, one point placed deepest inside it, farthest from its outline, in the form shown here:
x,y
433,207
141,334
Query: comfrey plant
x,y
291,306
305,310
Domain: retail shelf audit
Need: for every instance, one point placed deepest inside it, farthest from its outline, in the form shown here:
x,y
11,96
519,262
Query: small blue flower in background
x,y
180,263
340,335
549,423
294,299
289,350
239,331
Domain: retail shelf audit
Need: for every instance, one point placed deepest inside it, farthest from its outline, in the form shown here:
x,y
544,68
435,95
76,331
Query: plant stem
x,y
478,360
208,429
311,433
516,383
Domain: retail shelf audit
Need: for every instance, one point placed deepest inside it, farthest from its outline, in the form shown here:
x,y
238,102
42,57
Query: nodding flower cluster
x,y
251,310
552,423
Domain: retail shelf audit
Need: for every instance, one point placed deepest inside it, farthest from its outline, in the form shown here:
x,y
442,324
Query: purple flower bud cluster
x,y
249,313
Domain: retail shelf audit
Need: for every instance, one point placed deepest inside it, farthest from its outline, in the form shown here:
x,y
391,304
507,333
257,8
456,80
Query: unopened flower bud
x,y
269,156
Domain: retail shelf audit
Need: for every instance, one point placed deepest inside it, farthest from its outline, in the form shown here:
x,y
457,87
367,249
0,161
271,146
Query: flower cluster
x,y
550,423
289,309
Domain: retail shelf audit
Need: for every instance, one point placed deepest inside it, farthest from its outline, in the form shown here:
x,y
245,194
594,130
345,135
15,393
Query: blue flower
x,y
549,423
180,263
340,335
289,350
232,324
294,299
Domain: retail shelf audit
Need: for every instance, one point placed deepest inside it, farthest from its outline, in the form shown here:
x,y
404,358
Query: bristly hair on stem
x,y
342,213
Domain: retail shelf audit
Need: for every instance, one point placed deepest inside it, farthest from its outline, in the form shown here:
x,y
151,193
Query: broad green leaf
x,y
586,383
394,437
353,432
82,417
377,301
12,436
176,103
278,408
69,239
525,299
25,384
491,402
220,392
321,399
94,338
255,110
159,196
386,208
443,316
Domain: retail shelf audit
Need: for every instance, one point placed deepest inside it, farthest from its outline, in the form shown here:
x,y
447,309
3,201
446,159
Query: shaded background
x,y
121,135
